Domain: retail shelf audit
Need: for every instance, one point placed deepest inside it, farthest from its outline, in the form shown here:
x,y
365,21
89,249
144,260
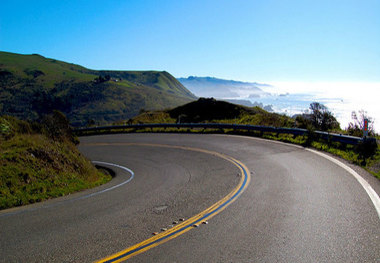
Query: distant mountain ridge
x,y
223,89
32,85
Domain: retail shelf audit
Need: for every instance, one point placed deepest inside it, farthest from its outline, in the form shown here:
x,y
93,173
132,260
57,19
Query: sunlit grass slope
x,y
32,85
35,167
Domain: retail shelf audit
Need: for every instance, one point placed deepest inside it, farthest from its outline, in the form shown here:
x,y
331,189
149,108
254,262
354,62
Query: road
x,y
297,206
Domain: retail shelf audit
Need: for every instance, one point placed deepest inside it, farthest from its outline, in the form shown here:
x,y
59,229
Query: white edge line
x,y
115,186
367,187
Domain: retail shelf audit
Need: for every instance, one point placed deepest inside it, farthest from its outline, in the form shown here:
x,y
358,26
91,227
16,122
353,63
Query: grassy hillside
x,y
38,163
32,85
211,110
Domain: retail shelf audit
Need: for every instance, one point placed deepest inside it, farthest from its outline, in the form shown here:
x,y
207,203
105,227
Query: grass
x,y
213,111
33,85
34,167
373,165
54,71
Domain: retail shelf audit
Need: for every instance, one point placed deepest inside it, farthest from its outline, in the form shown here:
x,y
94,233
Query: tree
x,y
321,118
90,122
355,128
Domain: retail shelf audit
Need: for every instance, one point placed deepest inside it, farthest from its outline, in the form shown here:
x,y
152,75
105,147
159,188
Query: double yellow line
x,y
187,225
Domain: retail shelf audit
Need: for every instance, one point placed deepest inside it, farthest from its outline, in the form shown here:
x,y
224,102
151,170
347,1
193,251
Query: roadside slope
x,y
36,164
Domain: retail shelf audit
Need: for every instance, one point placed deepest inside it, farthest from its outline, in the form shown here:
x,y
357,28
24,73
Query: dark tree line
x,y
102,79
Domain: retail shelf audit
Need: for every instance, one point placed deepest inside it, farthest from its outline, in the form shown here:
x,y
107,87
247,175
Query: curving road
x,y
298,206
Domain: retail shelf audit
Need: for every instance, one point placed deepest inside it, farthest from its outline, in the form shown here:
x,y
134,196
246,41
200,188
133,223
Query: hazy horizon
x,y
290,98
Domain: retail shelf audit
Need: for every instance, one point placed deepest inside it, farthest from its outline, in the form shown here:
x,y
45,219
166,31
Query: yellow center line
x,y
187,224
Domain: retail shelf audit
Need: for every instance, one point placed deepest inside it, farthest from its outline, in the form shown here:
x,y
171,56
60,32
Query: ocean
x,y
340,98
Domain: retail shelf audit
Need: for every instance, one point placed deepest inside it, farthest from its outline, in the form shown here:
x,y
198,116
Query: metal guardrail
x,y
333,137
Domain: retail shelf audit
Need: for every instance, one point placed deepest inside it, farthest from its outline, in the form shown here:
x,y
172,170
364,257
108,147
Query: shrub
x,y
355,128
57,127
366,149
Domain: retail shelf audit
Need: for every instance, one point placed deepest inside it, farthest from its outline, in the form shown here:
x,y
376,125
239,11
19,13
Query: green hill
x,y
32,85
211,110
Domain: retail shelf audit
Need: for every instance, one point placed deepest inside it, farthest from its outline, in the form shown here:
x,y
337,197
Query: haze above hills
x,y
210,86
238,92
290,98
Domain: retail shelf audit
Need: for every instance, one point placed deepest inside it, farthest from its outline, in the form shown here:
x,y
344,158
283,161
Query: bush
x,y
5,129
321,118
356,127
366,149
10,126
57,127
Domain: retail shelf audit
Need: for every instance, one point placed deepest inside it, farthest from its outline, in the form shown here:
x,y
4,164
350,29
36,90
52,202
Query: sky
x,y
297,44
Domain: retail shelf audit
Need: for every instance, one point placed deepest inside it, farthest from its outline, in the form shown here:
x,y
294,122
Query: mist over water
x,y
340,98
290,98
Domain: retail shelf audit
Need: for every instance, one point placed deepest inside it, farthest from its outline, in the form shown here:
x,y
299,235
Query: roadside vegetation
x,y
317,117
39,161
213,111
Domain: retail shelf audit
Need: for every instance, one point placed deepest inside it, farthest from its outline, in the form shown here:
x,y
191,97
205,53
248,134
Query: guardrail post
x,y
365,128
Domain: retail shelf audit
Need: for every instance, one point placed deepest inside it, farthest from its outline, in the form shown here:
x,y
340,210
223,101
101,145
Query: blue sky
x,y
266,41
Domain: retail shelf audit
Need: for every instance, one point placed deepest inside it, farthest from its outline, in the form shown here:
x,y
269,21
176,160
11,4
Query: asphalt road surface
x,y
262,202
